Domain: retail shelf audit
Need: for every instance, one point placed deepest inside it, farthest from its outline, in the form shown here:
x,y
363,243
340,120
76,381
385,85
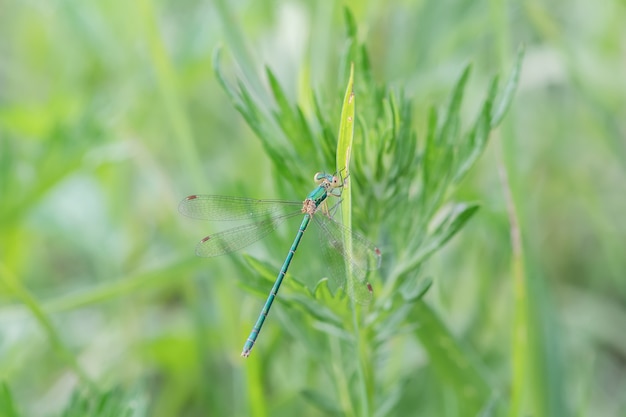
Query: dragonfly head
x,y
328,181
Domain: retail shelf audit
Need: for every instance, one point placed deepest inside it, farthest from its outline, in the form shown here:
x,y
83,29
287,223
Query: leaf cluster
x,y
403,183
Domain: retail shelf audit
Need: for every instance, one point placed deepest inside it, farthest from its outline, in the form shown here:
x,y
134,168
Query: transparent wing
x,y
217,207
237,238
348,266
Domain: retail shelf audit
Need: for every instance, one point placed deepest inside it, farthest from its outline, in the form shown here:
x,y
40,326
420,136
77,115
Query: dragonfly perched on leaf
x,y
348,255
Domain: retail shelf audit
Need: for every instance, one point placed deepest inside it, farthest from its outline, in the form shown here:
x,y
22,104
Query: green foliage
x,y
111,112
394,172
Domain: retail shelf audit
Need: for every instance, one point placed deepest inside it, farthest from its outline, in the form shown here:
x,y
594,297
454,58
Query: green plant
x,y
400,192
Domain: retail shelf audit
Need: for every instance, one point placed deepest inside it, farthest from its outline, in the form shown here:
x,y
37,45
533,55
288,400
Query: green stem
x,y
362,386
344,151
520,336
506,156
338,368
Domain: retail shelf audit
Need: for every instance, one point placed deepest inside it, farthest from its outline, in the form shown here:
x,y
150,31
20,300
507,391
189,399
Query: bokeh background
x,y
110,113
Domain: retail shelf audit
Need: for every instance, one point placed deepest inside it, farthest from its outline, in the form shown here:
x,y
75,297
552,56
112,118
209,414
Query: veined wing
x,y
361,257
218,208
237,238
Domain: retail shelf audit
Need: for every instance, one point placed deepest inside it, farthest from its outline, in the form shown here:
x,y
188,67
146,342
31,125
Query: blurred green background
x,y
110,114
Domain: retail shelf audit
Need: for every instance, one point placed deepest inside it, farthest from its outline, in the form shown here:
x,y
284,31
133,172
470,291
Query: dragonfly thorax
x,y
326,183
309,207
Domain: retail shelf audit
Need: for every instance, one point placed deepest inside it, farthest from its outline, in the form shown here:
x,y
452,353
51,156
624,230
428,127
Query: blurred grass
x,y
110,113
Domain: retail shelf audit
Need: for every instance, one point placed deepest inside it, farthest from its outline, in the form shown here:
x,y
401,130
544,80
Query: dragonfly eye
x,y
318,177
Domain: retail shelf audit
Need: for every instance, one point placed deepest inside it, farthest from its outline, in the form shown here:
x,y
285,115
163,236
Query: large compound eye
x,y
336,182
318,177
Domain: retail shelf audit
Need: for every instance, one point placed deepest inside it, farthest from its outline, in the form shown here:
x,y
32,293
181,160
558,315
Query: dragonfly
x,y
348,255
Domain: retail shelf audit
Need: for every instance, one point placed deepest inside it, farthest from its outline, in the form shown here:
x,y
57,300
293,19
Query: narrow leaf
x,y
414,289
314,308
451,124
502,106
279,94
476,139
344,150
351,28
346,129
453,222
447,227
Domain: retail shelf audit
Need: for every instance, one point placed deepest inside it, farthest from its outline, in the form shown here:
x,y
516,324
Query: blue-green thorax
x,y
326,184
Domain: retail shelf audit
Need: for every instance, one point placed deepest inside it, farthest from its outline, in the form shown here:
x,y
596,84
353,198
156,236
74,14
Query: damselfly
x,y
348,255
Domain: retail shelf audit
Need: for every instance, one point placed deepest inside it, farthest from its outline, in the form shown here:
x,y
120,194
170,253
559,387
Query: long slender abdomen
x,y
247,347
